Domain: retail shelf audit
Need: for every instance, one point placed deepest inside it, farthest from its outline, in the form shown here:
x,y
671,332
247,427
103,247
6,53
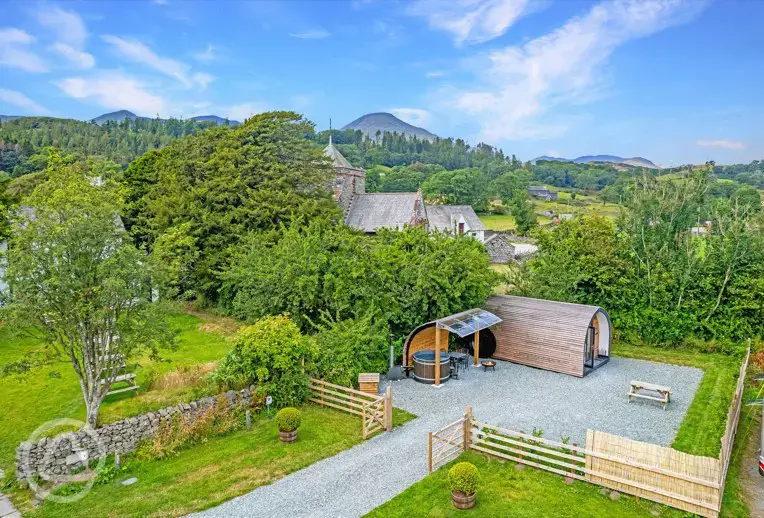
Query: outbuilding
x,y
557,336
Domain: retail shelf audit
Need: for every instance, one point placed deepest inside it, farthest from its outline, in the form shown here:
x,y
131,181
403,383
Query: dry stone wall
x,y
61,454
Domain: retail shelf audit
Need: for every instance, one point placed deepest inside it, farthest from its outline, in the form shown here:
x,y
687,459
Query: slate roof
x,y
368,212
337,159
540,188
439,217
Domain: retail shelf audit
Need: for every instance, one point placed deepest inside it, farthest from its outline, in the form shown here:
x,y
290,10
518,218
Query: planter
x,y
462,501
288,437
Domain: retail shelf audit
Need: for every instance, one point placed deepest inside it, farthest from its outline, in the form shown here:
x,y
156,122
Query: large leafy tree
x,y
210,189
404,278
459,187
75,278
521,209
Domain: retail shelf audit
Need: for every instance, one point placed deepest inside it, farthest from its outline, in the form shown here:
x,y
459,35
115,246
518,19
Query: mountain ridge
x,y
370,123
120,115
636,161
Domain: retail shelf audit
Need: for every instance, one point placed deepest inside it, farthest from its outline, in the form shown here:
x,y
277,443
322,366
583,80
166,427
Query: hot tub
x,y
424,366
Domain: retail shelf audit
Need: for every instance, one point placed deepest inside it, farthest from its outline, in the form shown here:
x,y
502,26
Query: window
x,y
461,228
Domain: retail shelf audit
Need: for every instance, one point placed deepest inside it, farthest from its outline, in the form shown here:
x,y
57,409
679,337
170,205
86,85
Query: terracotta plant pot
x,y
462,501
288,436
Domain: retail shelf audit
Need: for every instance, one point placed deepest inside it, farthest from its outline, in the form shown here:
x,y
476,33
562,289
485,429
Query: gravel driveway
x,y
357,480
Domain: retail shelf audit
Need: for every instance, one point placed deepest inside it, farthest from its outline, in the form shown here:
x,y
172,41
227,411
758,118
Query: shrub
x,y
349,347
463,478
272,355
288,419
181,431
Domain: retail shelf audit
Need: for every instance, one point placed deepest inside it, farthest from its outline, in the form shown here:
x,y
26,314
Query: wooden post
x,y
429,452
477,347
467,428
363,420
520,455
572,469
389,409
437,356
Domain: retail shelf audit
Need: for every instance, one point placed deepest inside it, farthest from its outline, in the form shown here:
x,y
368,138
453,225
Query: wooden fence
x,y
689,482
376,412
449,442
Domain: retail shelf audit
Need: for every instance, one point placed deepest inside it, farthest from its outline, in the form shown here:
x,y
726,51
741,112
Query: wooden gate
x,y
376,412
449,442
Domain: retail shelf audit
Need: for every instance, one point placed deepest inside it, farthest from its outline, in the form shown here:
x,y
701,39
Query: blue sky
x,y
674,81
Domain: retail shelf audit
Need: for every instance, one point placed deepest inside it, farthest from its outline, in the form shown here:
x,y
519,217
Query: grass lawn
x,y
54,392
221,468
498,221
505,491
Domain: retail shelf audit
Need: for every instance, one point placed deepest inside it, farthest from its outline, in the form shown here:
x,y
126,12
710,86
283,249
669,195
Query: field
x,y
54,392
581,205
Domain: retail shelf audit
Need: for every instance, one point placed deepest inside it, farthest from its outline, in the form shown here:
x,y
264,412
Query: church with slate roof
x,y
370,211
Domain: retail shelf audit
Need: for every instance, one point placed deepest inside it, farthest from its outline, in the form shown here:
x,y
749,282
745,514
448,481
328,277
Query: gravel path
x,y
357,480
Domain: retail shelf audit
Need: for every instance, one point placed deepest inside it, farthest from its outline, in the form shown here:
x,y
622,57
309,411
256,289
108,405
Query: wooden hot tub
x,y
424,366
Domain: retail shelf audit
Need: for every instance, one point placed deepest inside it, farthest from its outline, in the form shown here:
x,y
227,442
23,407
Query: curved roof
x,y
542,333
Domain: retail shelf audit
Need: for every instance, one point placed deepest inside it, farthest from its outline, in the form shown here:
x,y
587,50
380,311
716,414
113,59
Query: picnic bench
x,y
657,393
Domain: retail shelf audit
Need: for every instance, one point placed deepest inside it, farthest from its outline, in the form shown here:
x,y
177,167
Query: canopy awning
x,y
468,322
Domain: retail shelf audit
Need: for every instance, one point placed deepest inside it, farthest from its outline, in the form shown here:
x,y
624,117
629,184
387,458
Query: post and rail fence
x,y
376,411
688,482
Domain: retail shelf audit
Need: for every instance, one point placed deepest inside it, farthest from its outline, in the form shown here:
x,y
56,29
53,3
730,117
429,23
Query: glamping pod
x,y
557,336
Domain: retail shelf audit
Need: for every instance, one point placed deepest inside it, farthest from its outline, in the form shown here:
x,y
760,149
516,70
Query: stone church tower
x,y
349,180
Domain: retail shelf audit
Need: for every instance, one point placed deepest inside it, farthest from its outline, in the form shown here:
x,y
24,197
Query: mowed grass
x,y
53,391
220,469
506,491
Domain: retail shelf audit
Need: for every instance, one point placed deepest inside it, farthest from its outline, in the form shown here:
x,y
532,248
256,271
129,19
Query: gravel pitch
x,y
357,480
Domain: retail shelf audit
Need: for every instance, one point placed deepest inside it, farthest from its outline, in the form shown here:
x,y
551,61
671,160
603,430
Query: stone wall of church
x,y
348,182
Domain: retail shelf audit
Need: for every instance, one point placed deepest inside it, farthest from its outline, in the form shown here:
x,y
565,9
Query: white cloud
x,y
472,21
520,85
722,144
435,74
137,52
240,112
114,90
207,55
71,35
22,101
79,57
415,116
202,79
316,34
14,54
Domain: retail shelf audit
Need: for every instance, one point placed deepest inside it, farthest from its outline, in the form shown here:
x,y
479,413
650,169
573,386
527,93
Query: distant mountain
x,y
117,117
214,118
370,123
4,118
636,161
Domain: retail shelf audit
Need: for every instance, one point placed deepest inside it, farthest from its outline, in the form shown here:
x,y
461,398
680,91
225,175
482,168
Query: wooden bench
x,y
660,393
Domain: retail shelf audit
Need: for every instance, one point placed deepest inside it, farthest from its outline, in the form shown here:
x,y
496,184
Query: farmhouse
x,y
542,193
371,211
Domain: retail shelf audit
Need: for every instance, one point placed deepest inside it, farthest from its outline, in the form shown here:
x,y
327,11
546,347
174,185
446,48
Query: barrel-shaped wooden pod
x,y
547,334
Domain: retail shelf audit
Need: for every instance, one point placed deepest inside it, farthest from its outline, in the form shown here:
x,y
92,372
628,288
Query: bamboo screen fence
x,y
689,482
376,411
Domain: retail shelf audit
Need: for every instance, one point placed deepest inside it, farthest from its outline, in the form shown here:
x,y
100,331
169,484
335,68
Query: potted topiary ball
x,y
288,420
463,479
